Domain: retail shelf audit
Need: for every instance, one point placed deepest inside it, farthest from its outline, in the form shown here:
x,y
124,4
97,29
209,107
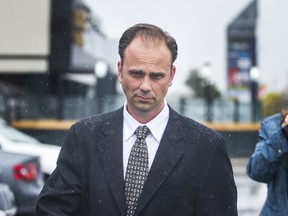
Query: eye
x,y
136,74
156,76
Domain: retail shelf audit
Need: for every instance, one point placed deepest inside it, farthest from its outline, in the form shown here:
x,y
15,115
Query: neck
x,y
144,117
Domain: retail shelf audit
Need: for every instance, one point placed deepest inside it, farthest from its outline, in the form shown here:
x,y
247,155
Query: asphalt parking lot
x,y
251,194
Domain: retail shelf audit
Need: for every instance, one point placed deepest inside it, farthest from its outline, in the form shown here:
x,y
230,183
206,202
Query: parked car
x,y
7,201
24,176
13,140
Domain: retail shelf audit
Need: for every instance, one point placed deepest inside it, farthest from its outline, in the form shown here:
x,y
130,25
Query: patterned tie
x,y
137,170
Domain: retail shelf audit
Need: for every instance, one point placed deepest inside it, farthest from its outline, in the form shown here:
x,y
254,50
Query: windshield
x,y
15,135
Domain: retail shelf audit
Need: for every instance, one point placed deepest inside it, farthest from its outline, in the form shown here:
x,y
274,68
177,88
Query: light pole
x,y
254,78
100,70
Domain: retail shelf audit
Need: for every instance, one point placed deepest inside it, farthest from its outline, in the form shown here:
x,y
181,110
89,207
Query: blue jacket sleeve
x,y
271,146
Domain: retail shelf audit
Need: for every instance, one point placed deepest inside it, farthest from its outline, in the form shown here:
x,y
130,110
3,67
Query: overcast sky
x,y
199,26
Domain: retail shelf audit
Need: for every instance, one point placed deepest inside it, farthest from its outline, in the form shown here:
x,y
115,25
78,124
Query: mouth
x,y
143,99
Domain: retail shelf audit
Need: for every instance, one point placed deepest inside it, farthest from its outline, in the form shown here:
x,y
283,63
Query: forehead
x,y
148,48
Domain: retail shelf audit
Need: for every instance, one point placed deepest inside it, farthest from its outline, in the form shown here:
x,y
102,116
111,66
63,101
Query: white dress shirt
x,y
156,126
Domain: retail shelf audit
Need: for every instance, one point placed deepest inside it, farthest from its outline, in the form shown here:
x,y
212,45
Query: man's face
x,y
145,76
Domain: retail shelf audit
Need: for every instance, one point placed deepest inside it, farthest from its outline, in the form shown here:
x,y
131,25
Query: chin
x,y
143,107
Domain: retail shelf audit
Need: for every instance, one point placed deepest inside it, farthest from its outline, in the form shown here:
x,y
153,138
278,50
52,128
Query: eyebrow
x,y
136,71
150,73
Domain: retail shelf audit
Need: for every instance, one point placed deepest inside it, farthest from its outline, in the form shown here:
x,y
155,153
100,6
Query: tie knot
x,y
142,132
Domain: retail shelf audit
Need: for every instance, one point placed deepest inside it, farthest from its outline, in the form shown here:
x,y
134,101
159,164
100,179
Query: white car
x,y
7,201
13,140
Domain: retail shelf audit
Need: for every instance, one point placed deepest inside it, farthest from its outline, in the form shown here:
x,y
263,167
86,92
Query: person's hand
x,y
285,122
284,126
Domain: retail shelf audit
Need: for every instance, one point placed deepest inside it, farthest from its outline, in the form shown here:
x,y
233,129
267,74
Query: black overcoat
x,y
191,173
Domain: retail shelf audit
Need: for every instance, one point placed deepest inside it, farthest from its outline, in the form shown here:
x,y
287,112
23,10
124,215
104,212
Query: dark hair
x,y
147,32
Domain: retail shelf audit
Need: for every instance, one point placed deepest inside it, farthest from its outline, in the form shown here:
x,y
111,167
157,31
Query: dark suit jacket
x,y
191,173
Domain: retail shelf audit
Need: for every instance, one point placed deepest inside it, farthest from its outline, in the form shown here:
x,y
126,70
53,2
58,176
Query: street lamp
x,y
206,72
254,78
100,70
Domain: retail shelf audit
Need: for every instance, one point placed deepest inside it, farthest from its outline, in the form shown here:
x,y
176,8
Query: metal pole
x,y
254,101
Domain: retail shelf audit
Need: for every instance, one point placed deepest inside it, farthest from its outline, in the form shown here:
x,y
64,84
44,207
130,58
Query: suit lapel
x,y
169,152
110,149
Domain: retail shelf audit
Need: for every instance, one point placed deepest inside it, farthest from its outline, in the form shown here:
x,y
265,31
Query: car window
x,y
15,135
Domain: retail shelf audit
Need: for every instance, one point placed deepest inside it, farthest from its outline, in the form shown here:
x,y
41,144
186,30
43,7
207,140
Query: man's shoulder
x,y
190,125
101,119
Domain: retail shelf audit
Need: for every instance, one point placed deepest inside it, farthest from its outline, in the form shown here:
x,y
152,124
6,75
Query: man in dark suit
x,y
186,171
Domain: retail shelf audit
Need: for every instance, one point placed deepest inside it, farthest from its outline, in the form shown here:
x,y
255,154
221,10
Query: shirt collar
x,y
156,125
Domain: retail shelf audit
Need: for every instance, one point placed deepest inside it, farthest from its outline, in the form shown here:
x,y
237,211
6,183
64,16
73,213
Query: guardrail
x,y
240,137
54,124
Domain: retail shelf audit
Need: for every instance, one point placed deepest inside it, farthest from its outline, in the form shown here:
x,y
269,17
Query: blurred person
x,y
185,166
269,163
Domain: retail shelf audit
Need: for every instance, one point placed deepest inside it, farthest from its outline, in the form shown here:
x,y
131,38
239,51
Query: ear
x,y
119,67
172,74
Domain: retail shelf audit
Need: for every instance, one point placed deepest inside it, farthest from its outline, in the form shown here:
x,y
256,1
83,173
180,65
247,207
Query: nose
x,y
145,84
